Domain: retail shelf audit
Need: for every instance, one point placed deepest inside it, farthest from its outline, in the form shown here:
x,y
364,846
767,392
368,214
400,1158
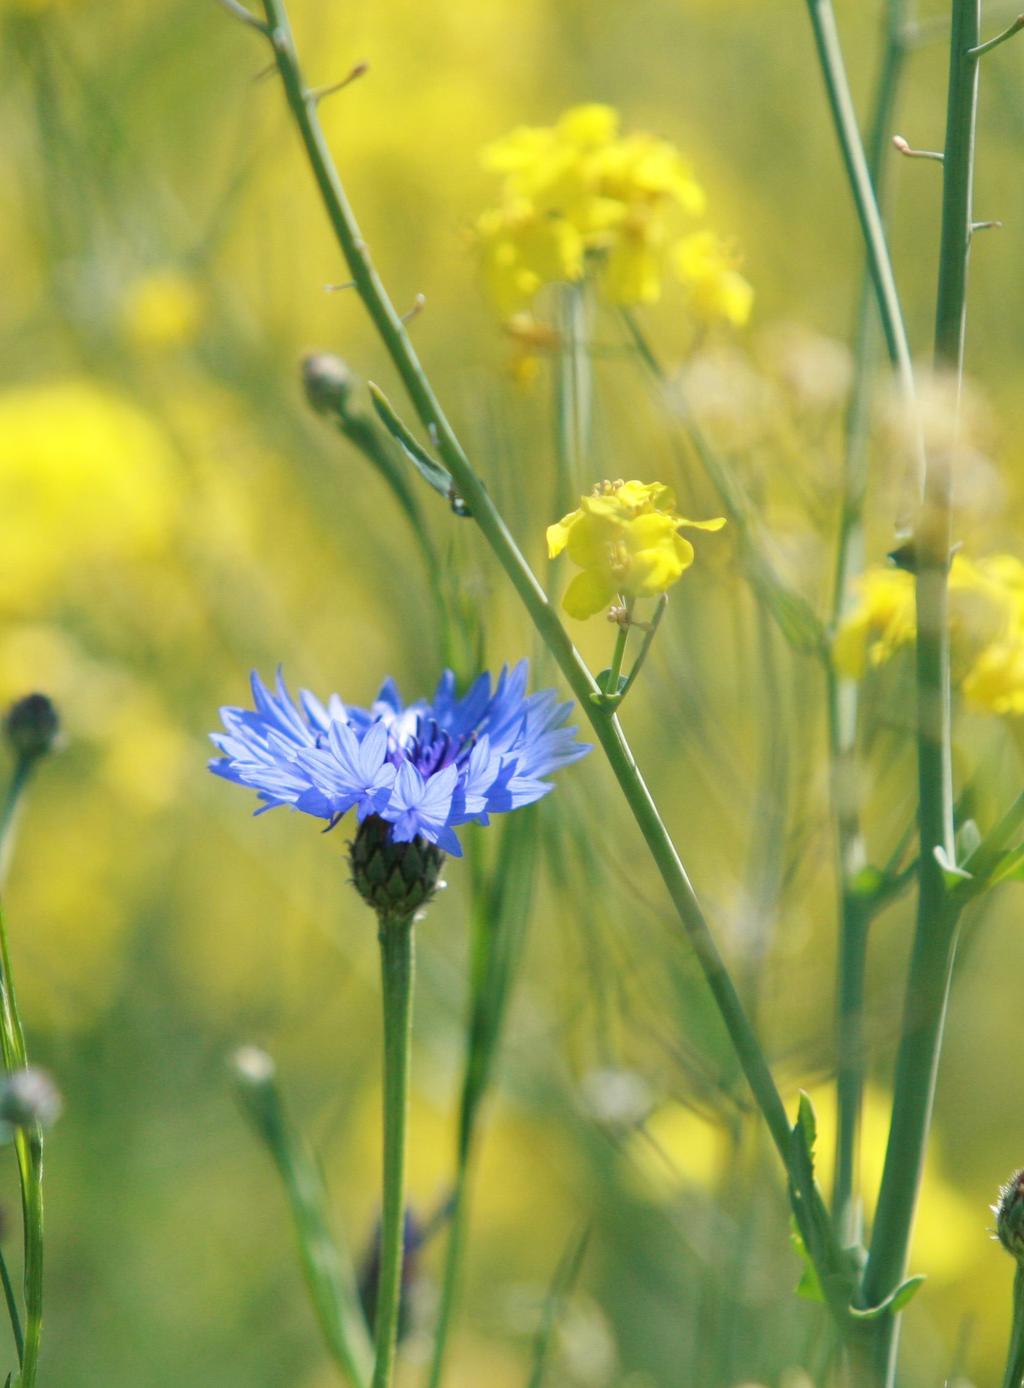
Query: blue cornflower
x,y
422,769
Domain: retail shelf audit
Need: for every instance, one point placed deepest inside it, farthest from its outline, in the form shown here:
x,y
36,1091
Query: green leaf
x,y
809,1287
806,1126
432,472
1010,868
894,1302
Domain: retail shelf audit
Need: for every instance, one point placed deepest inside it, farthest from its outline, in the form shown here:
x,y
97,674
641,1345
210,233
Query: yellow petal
x,y
591,540
558,534
714,524
654,570
588,594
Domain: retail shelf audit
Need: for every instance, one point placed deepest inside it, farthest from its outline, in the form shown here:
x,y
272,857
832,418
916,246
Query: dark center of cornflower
x,y
432,749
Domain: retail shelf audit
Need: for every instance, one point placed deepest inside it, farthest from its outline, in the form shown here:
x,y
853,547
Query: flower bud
x,y
327,382
29,1097
1009,1215
31,725
396,879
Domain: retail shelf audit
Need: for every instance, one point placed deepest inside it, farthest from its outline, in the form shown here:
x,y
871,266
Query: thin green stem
x,y
1008,33
936,930
457,1230
842,694
573,412
398,345
833,69
611,679
646,644
11,1302
29,1146
1014,1373
9,810
396,971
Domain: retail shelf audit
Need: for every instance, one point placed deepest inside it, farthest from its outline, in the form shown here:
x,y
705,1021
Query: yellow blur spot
x,y
86,483
162,310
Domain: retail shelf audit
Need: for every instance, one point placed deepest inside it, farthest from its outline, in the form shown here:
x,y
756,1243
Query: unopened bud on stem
x,y
1009,1215
31,726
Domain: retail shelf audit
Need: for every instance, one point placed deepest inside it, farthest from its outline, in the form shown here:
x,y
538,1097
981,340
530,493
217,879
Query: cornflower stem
x,y
842,694
936,929
396,971
396,341
1014,1373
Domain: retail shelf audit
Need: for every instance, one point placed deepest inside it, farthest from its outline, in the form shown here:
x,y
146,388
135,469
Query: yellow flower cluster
x,y
579,196
986,617
625,539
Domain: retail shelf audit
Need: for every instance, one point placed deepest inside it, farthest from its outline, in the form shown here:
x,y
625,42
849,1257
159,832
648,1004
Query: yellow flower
x,y
879,625
162,309
625,539
986,627
521,250
708,267
589,192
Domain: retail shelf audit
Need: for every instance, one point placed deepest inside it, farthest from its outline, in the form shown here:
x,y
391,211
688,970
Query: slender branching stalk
x,y
937,916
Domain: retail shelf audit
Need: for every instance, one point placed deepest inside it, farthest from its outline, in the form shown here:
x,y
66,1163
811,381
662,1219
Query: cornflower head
x,y
986,624
412,772
625,538
580,197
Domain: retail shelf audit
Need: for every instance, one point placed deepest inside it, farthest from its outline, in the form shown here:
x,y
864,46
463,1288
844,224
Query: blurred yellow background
x,y
174,515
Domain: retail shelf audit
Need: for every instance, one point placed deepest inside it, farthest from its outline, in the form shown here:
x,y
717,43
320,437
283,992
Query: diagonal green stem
x,y
397,342
396,971
937,918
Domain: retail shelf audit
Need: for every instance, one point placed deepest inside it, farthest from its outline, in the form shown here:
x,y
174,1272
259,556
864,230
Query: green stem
x,y
611,679
457,1229
9,810
405,360
830,57
645,647
29,1145
937,920
11,1302
396,971
1014,1374
573,410
842,694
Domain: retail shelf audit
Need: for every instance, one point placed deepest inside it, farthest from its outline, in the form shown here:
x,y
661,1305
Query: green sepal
x,y
894,1302
604,680
432,472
